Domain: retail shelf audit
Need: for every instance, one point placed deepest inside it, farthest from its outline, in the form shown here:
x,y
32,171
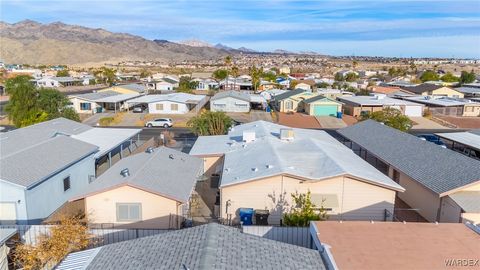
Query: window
x,y
85,106
174,107
159,107
129,212
66,183
288,105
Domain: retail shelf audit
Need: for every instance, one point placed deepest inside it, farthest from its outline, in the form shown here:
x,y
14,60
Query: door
x,y
325,110
8,213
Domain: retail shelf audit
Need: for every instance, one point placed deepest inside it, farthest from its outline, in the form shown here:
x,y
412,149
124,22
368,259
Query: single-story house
x,y
322,106
270,94
467,142
230,101
442,184
469,91
100,101
257,170
291,101
159,85
132,88
175,103
207,247
426,89
59,81
333,93
146,190
358,105
447,105
353,245
235,84
205,84
303,86
399,83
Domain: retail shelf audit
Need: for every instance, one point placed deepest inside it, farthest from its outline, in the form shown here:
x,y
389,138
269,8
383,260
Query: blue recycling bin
x,y
246,215
339,115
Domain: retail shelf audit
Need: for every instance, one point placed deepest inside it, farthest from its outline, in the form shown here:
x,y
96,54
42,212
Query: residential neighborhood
x,y
239,135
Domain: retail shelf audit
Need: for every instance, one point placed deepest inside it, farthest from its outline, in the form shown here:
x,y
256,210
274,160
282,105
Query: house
x,y
205,84
426,89
322,106
469,92
6,235
402,84
175,103
207,247
333,93
159,85
284,70
467,142
127,89
231,83
447,106
146,190
270,94
390,90
358,105
434,177
283,82
260,164
395,245
97,102
303,86
291,101
59,82
230,101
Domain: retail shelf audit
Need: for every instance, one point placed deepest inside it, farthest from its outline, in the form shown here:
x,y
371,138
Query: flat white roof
x,y
117,98
465,138
106,139
374,101
441,101
174,97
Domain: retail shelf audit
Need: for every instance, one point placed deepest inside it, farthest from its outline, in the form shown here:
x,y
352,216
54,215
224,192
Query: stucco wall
x,y
471,110
356,200
10,193
76,105
157,212
47,197
182,108
231,105
212,165
471,217
450,211
444,91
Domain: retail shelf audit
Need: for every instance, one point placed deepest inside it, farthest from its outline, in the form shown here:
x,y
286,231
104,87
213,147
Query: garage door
x,y
324,110
8,213
415,111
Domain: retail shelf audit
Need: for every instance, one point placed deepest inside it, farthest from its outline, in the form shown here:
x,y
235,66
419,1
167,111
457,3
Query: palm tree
x,y
354,64
235,75
228,62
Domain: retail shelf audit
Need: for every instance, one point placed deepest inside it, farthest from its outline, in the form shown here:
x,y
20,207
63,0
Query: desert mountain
x,y
58,43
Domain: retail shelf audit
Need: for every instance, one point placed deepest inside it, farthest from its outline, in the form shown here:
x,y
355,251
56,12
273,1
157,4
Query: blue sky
x,y
384,28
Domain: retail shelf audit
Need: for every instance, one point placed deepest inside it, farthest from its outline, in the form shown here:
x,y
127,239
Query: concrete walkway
x,y
330,122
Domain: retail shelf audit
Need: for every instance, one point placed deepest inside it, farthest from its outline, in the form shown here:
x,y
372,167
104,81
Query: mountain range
x,y
30,42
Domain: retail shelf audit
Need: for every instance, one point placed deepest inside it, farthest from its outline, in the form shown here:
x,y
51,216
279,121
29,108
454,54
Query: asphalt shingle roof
x,y
210,246
166,172
469,201
419,89
233,94
440,170
289,94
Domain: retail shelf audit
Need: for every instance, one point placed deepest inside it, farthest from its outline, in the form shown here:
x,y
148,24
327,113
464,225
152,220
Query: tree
x,y
303,211
106,75
228,62
293,84
145,73
220,74
429,75
449,77
186,85
391,117
235,75
210,123
255,73
354,64
351,77
322,85
63,73
467,77
22,107
339,77
71,234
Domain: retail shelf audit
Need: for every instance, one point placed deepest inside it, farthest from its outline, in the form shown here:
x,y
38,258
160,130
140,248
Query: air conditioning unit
x,y
248,136
287,134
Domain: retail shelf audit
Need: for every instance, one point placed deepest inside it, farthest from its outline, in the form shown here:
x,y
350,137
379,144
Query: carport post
x,y
109,159
121,151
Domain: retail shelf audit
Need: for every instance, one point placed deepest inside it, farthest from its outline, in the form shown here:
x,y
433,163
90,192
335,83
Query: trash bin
x,y
246,215
339,115
261,217
215,180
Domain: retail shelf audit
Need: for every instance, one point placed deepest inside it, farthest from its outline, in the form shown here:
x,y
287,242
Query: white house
x,y
205,84
160,85
303,86
99,101
175,103
230,101
60,81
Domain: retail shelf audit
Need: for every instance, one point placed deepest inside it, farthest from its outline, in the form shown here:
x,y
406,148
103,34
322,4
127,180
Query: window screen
x,y
129,212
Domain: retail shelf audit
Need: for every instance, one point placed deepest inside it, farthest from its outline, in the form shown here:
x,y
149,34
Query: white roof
x,y
106,139
313,154
374,101
117,98
257,99
174,97
466,138
441,101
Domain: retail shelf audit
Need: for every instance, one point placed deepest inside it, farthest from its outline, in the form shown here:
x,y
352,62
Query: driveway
x,y
260,115
425,123
330,122
93,120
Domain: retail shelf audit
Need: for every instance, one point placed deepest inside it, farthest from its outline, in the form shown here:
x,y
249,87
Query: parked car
x,y
431,138
137,110
160,122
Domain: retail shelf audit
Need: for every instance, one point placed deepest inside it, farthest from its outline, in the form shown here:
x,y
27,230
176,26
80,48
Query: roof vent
x,y
170,156
269,166
125,172
149,150
287,134
254,169
248,136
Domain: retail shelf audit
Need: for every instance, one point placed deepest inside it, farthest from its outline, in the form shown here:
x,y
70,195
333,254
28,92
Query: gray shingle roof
x,y
210,246
166,172
133,86
440,170
233,94
319,97
424,87
36,163
469,201
97,95
289,94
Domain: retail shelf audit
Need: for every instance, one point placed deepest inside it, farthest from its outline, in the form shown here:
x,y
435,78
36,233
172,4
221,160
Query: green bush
x,y
105,121
303,211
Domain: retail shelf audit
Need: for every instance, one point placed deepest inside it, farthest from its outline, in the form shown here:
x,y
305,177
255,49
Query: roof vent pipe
x,y
125,172
170,156
149,150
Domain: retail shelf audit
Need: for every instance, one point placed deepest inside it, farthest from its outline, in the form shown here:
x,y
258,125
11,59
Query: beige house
x,y
257,169
292,100
441,184
322,106
146,190
427,89
358,105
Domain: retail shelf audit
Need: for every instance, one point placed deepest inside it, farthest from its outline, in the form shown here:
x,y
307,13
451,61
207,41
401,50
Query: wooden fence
x,y
299,236
29,234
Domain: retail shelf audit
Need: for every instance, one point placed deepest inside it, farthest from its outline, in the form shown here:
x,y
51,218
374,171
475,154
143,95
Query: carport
x,y
117,102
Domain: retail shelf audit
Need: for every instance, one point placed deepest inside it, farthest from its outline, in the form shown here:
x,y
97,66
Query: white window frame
x,y
128,219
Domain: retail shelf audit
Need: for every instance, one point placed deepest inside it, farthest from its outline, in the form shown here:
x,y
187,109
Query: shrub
x,y
105,121
303,211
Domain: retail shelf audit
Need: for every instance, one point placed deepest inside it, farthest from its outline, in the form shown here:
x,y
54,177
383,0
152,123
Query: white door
x,y
8,213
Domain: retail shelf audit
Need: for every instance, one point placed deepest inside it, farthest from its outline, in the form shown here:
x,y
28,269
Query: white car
x,y
160,122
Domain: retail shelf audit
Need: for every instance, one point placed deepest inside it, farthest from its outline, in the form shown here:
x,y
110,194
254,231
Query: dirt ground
x,y
298,120
462,122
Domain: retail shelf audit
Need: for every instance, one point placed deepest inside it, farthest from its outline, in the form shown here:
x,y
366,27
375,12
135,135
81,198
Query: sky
x,y
433,28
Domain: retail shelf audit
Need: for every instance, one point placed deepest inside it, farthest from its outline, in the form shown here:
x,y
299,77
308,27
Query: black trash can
x,y
261,217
